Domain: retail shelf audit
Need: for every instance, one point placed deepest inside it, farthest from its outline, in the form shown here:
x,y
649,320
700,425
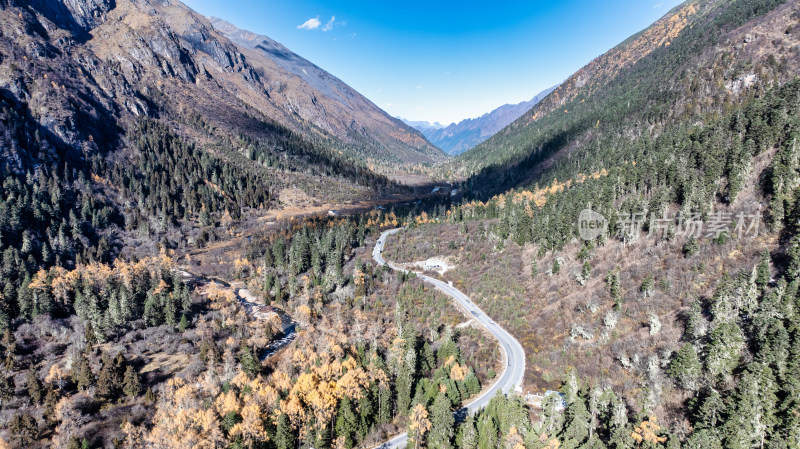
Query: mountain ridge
x,y
457,138
302,89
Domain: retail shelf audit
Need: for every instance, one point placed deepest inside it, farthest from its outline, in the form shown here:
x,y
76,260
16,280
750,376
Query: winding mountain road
x,y
514,355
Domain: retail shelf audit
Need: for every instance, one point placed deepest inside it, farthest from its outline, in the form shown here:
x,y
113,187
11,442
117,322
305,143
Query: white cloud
x,y
310,24
329,26
658,5
418,87
389,105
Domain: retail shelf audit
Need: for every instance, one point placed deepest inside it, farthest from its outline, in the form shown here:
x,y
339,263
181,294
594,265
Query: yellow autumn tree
x,y
513,439
647,432
418,425
251,428
56,376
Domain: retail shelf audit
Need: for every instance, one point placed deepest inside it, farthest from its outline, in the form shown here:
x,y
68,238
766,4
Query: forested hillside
x,y
120,154
163,284
673,325
94,160
696,63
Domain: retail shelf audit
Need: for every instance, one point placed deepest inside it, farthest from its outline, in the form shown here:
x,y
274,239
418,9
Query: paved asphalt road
x,y
513,353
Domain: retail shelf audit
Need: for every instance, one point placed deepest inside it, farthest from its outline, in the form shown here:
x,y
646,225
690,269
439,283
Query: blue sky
x,y
444,61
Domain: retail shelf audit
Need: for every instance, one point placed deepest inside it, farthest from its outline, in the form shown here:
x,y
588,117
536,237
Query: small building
x,y
561,404
537,400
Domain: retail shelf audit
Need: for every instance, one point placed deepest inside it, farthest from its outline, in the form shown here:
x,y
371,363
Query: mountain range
x,y
301,90
193,221
146,58
457,138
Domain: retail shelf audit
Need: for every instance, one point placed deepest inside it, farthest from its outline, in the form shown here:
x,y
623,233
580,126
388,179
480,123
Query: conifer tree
x,y
33,385
107,380
284,436
405,381
131,386
24,427
467,437
6,388
249,362
487,432
346,422
442,423
685,368
691,247
183,324
82,373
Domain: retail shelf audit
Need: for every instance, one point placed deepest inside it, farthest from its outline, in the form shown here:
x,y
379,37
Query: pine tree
x,y
183,324
24,427
50,403
131,386
447,349
647,285
384,404
442,423
250,364
82,372
576,424
366,414
691,247
703,439
753,414
586,270
696,324
710,412
89,335
106,380
150,396
284,436
472,383
152,313
405,381
346,422
33,385
487,432
724,350
467,437
763,271
685,368
556,266
6,388
615,288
